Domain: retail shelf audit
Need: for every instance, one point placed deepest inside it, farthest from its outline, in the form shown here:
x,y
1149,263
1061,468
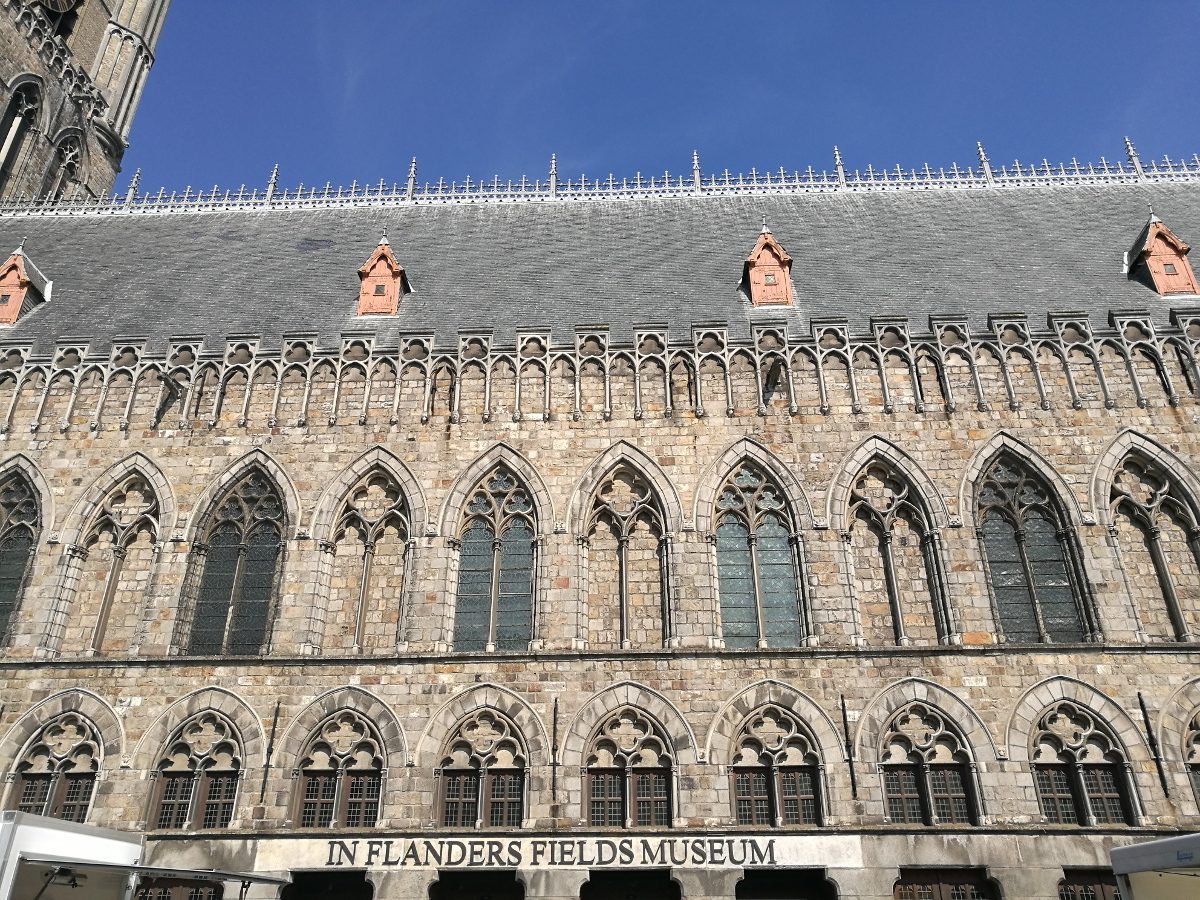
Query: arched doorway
x,y
651,884
477,886
329,886
785,884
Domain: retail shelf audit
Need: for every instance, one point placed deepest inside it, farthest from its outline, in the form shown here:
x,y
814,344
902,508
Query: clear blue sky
x,y
336,90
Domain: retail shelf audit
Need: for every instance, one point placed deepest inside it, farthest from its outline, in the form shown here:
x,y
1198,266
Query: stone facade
x,y
69,88
930,411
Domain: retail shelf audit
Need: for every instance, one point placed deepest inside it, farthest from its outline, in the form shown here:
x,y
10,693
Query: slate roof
x,y
623,263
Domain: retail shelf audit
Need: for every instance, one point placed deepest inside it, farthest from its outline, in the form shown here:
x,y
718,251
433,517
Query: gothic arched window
x,y
1079,769
629,773
120,546
370,555
241,550
57,773
928,777
340,779
1191,754
776,772
483,774
762,599
19,121
66,170
198,775
896,557
1027,542
20,522
494,608
1146,500
627,563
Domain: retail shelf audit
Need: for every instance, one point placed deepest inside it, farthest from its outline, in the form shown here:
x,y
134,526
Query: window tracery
x,y
494,608
20,118
57,773
894,519
629,773
483,774
374,524
928,776
626,528
340,779
125,526
20,524
1079,769
66,171
1152,501
240,553
198,775
1030,557
762,598
776,772
1191,754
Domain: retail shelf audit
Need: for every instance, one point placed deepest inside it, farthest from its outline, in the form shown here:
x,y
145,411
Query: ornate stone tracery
x,y
56,774
928,772
340,776
1080,769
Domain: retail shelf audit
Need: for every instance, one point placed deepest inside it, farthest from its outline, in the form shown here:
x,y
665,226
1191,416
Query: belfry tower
x,y
71,77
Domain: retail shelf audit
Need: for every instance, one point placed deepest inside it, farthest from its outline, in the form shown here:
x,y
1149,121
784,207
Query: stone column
x,y
553,884
403,884
707,884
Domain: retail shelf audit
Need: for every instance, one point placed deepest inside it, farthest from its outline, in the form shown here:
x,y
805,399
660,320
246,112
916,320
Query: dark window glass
x,y
752,798
176,800
16,550
514,608
472,611
220,793
943,884
77,794
320,791
1105,797
248,622
606,790
1050,580
798,796
652,797
461,805
948,792
177,889
504,801
1088,884
362,798
34,794
1056,794
780,592
739,618
216,591
901,787
1014,601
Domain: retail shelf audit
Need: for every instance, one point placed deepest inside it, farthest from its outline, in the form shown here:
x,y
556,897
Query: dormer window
x,y
22,286
766,276
1159,260
382,283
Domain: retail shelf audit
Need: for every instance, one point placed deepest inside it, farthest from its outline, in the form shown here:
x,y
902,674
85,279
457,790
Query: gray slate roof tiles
x,y
623,263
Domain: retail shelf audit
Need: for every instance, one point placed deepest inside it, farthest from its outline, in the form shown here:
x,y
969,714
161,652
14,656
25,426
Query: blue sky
x,y
345,90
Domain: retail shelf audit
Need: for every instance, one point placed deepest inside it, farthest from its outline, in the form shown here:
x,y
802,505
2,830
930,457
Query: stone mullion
x,y
364,587
244,413
65,422
72,563
623,588
12,404
664,589
893,588
406,594
808,630
320,602
41,407
943,609
755,580
1027,570
1134,381
490,646
239,572
1166,583
1084,597
110,591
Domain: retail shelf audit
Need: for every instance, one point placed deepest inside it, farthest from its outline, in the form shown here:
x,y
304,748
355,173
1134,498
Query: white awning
x,y
215,875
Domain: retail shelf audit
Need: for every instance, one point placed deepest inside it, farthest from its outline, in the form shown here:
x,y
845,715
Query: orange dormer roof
x,y
768,271
22,286
1159,256
382,282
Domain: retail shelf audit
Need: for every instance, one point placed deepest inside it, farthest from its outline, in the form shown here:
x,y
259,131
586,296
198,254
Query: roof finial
x,y
984,163
134,183
21,246
553,174
837,165
696,168
1153,217
1132,154
383,241
412,179
273,181
765,229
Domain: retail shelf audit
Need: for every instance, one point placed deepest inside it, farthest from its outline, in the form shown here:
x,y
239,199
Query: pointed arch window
x,y
626,517
241,553
128,513
66,170
20,524
1167,521
629,768
198,775
57,773
884,504
1081,773
763,599
776,773
340,780
494,607
18,123
928,775
483,774
377,512
1033,564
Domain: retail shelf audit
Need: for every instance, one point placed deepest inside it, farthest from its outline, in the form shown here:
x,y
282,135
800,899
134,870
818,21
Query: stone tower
x,y
71,76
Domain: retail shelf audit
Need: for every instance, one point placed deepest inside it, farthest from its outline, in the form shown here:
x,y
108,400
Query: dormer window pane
x,y
1169,268
768,279
4,298
379,290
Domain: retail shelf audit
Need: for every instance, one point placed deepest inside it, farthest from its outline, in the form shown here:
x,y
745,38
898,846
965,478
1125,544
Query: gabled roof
x,y
384,252
31,273
1152,231
624,263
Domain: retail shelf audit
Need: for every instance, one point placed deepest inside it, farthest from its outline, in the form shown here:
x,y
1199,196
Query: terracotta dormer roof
x,y
22,286
767,272
1158,259
382,282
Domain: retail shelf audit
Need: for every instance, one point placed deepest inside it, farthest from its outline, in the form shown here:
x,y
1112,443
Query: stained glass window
x,y
20,522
